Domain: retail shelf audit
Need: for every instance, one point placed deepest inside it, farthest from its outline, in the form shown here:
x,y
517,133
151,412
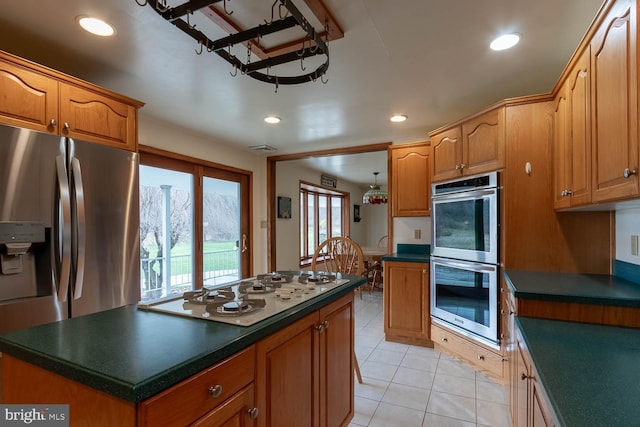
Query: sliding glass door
x,y
194,225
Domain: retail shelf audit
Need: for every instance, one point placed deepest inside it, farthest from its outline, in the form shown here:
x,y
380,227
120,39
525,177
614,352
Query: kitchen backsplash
x,y
627,271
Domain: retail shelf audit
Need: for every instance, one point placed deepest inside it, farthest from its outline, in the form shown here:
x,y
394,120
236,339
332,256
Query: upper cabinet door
x,y
483,142
579,117
28,99
447,154
93,117
411,180
474,147
572,139
614,104
561,151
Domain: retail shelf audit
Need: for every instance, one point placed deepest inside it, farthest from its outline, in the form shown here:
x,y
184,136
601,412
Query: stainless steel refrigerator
x,y
69,228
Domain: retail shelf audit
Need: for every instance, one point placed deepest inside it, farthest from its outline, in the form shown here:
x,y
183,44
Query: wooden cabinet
x,y
304,372
237,411
482,358
530,404
38,98
411,179
614,86
447,153
406,303
508,315
24,382
27,98
91,116
191,399
572,138
474,146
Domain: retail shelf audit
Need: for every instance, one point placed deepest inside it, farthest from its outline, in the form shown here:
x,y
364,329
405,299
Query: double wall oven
x,y
464,256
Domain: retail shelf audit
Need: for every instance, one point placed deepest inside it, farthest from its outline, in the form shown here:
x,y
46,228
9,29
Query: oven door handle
x,y
473,194
466,265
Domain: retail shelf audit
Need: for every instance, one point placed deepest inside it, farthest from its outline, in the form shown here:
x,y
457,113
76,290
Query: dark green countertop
x,y
590,372
134,354
410,253
576,288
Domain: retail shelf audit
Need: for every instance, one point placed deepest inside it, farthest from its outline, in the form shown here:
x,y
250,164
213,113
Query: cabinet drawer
x,y
464,349
189,400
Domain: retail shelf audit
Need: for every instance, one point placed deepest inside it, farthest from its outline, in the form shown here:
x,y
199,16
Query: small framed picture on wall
x,y
356,213
284,207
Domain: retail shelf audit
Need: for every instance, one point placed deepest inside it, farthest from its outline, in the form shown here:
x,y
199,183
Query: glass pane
x,y
464,293
311,229
322,219
464,225
336,216
166,232
221,231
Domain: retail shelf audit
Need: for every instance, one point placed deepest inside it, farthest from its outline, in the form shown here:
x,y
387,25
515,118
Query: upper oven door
x,y
465,225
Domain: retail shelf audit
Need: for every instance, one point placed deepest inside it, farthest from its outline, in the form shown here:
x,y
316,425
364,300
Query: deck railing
x,y
220,267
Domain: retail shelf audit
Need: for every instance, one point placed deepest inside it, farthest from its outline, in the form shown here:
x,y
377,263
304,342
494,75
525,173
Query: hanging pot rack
x,y
259,70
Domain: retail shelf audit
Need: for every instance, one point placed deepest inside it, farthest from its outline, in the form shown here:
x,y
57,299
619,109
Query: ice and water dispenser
x,y
21,256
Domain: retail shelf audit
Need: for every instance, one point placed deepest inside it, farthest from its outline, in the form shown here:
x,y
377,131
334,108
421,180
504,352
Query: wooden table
x,y
371,255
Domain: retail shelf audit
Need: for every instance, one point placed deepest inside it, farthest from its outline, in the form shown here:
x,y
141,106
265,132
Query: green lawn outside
x,y
180,264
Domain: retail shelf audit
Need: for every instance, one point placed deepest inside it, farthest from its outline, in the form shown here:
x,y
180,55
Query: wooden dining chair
x,y
340,255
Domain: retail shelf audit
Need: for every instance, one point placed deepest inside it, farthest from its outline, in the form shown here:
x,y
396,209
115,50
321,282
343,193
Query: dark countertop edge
x,y
138,392
581,299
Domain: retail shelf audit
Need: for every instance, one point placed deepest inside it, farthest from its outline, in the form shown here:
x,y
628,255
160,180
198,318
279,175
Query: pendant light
x,y
374,196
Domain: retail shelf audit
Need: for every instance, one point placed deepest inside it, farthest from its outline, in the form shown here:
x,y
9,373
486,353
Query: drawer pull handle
x,y
67,125
53,122
215,391
253,413
480,357
444,339
628,172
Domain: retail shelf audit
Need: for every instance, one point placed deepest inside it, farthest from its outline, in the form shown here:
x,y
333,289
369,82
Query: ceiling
x,y
426,59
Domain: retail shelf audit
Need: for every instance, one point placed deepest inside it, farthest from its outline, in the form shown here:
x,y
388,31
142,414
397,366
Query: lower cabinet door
x,y
336,363
237,411
286,376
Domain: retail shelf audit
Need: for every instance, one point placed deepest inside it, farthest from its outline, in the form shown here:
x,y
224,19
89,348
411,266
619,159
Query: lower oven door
x,y
465,295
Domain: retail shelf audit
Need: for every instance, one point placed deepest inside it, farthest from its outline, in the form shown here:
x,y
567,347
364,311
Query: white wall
x,y
374,219
627,224
183,141
404,231
288,176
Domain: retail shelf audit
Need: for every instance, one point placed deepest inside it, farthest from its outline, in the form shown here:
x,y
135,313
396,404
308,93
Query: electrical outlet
x,y
417,234
634,245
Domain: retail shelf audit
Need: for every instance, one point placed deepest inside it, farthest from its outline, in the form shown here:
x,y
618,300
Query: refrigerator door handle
x,y
63,222
81,233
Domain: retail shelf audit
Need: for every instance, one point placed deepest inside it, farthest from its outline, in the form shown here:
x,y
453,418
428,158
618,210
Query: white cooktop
x,y
283,298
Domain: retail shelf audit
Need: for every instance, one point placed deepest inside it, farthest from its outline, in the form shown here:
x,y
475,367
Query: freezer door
x,y
28,185
106,221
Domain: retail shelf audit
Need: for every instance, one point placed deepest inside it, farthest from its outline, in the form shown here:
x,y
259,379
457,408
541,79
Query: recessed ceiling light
x,y
272,119
505,41
96,26
398,118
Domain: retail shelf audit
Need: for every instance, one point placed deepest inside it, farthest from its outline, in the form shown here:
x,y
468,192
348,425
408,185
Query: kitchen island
x,y
130,356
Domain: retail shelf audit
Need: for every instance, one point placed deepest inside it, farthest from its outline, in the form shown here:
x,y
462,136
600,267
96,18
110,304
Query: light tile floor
x,y
407,386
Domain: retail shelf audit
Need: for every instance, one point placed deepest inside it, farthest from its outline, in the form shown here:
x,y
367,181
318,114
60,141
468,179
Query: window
x,y
323,214
194,224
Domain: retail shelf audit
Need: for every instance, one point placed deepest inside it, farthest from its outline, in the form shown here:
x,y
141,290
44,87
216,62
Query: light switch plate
x,y
634,245
417,234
